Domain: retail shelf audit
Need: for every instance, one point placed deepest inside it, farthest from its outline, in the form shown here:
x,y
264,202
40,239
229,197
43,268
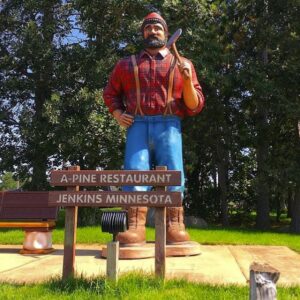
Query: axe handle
x,y
185,72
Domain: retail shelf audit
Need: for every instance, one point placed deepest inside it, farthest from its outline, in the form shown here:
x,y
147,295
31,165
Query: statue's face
x,y
154,36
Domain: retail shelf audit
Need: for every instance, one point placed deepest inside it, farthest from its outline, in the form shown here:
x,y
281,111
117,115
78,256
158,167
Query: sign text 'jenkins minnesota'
x,y
114,198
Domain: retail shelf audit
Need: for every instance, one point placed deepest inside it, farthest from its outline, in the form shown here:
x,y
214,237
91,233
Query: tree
x,y
31,34
241,153
51,93
267,28
7,182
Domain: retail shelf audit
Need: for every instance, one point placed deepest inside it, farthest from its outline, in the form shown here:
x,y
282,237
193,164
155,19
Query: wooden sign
x,y
114,199
115,178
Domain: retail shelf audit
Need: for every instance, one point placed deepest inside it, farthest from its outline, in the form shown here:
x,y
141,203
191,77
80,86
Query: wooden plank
x,y
27,224
15,203
24,203
42,194
115,178
160,236
70,236
112,262
115,199
31,213
29,199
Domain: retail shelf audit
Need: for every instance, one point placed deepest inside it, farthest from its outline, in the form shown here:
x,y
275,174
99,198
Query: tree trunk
x,y
223,179
263,206
222,164
214,175
278,207
39,141
262,149
39,179
295,223
290,202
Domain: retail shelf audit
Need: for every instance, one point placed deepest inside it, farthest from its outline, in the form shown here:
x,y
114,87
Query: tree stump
x,y
263,280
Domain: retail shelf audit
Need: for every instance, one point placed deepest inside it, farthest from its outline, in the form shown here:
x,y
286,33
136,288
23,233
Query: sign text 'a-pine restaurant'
x,y
104,178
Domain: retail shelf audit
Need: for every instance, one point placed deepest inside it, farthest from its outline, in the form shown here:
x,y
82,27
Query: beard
x,y
153,42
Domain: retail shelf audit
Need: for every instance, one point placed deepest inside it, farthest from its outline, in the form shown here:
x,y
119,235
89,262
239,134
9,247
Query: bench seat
x,y
27,224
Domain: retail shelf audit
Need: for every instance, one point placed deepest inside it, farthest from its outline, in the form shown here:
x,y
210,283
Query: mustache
x,y
152,36
154,43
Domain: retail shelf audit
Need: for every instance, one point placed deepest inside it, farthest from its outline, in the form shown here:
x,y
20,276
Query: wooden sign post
x,y
72,198
160,236
71,214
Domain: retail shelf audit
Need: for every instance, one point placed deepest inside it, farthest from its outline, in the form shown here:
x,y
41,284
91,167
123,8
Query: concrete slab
x,y
10,259
216,265
286,261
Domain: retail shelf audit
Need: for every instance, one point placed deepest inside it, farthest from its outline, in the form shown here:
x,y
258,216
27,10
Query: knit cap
x,y
153,18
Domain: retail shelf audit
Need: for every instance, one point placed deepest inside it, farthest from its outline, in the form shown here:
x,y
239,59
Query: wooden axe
x,y
171,44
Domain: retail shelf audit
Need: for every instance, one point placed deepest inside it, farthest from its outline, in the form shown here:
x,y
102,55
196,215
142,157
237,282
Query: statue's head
x,y
154,30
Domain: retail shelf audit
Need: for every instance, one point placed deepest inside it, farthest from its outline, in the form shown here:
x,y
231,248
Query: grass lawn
x,y
213,236
209,236
144,286
131,286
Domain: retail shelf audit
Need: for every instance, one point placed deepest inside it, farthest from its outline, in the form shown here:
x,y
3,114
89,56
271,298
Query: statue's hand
x,y
125,120
185,66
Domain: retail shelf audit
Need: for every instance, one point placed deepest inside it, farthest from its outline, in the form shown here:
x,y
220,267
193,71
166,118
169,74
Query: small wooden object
x,y
263,280
112,263
70,235
160,236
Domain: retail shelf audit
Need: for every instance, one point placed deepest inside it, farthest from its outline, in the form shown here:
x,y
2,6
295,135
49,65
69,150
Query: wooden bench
x,y
29,211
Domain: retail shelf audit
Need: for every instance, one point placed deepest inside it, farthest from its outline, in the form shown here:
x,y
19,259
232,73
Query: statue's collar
x,y
162,53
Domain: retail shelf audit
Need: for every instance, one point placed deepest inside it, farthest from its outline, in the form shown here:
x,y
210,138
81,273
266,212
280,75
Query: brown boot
x,y
176,233
136,233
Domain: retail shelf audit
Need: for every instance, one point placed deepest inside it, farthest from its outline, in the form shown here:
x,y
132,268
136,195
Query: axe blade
x,y
174,38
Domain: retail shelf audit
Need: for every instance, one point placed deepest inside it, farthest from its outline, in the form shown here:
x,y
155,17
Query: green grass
x,y
131,286
210,236
144,286
213,236
236,236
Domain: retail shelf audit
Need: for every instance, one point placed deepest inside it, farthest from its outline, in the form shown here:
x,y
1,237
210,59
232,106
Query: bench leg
x,y
37,242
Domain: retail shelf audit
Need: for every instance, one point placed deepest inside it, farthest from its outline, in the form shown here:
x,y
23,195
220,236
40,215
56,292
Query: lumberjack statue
x,y
149,93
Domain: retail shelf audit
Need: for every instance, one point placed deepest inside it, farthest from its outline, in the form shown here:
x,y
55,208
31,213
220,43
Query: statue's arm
x,y
113,94
192,92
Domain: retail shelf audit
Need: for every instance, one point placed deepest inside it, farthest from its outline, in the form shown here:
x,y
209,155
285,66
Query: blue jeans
x,y
154,141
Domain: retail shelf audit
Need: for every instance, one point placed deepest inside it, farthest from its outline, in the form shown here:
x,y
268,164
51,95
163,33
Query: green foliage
x,y
7,182
241,153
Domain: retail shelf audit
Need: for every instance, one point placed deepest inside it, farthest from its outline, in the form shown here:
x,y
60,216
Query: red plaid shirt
x,y
120,93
